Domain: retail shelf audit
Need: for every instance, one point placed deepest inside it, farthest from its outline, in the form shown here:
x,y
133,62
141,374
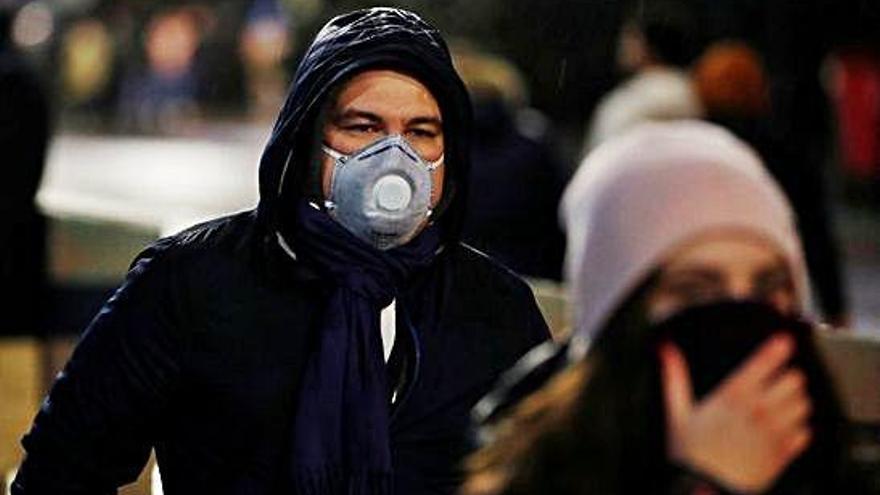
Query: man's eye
x,y
422,133
361,128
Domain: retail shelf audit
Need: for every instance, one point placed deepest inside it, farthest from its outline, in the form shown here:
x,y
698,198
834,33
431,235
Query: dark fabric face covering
x,y
717,338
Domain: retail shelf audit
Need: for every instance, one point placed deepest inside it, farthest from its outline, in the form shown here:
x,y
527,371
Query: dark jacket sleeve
x,y
537,330
95,430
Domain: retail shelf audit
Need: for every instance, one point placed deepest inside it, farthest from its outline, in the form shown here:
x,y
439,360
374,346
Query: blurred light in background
x,y
33,25
87,51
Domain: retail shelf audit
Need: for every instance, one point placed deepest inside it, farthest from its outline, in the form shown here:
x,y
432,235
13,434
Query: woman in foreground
x,y
691,367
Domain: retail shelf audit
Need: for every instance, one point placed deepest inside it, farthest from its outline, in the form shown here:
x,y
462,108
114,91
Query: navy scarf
x,y
341,434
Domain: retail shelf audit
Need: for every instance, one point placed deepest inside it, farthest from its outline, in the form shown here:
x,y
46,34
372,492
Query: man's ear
x,y
309,161
449,192
311,164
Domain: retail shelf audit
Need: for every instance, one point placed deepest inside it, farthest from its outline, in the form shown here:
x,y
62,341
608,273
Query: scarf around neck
x,y
341,426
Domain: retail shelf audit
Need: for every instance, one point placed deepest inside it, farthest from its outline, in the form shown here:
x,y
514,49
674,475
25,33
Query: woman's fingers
x,y
746,431
787,402
678,397
790,385
677,389
798,443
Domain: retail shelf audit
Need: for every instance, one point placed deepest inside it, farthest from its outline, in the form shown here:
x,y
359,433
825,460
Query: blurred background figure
x,y
730,80
795,39
24,135
657,42
516,178
87,70
164,94
265,43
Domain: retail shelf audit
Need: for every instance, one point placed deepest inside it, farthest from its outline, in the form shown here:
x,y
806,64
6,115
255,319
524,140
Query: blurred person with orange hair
x,y
733,87
730,80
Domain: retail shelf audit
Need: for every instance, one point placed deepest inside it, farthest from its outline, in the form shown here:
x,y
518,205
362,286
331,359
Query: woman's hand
x,y
749,428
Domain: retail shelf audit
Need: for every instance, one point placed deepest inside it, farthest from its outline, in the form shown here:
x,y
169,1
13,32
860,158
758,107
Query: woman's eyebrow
x,y
777,270
693,273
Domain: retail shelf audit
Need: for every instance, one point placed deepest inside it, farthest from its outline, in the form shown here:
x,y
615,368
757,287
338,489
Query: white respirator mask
x,y
382,192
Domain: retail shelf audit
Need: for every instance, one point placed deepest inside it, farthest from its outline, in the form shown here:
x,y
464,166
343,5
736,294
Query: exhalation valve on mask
x,y
381,193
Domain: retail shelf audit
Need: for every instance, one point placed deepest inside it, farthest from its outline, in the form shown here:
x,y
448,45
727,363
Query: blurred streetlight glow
x,y
33,25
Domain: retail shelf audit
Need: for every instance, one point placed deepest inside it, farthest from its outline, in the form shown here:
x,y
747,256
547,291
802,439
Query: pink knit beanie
x,y
641,195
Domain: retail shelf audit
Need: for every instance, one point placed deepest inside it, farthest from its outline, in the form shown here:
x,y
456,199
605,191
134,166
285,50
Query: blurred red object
x,y
855,78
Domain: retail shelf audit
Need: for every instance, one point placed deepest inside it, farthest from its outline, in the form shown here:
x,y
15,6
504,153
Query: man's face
x,y
632,50
378,103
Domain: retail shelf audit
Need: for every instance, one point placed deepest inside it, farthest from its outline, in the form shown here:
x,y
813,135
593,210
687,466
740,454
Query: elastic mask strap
x,y
333,153
431,167
342,158
436,163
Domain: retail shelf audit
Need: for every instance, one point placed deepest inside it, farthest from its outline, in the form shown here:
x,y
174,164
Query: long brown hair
x,y
598,427
573,435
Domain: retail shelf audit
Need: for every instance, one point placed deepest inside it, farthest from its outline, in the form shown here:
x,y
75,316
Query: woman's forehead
x,y
730,249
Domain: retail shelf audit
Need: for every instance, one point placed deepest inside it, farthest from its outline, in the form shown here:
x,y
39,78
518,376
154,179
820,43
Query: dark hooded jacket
x,y
200,352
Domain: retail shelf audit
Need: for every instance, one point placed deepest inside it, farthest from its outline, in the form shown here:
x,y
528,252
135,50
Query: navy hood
x,y
375,38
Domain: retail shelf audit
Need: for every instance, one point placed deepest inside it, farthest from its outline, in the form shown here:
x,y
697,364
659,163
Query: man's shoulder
x,y
206,242
493,298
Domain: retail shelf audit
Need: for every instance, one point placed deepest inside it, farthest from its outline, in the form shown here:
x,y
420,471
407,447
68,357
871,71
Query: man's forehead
x,y
376,87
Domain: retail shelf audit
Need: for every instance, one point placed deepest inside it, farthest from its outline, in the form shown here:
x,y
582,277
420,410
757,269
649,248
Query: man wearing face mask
x,y
333,339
